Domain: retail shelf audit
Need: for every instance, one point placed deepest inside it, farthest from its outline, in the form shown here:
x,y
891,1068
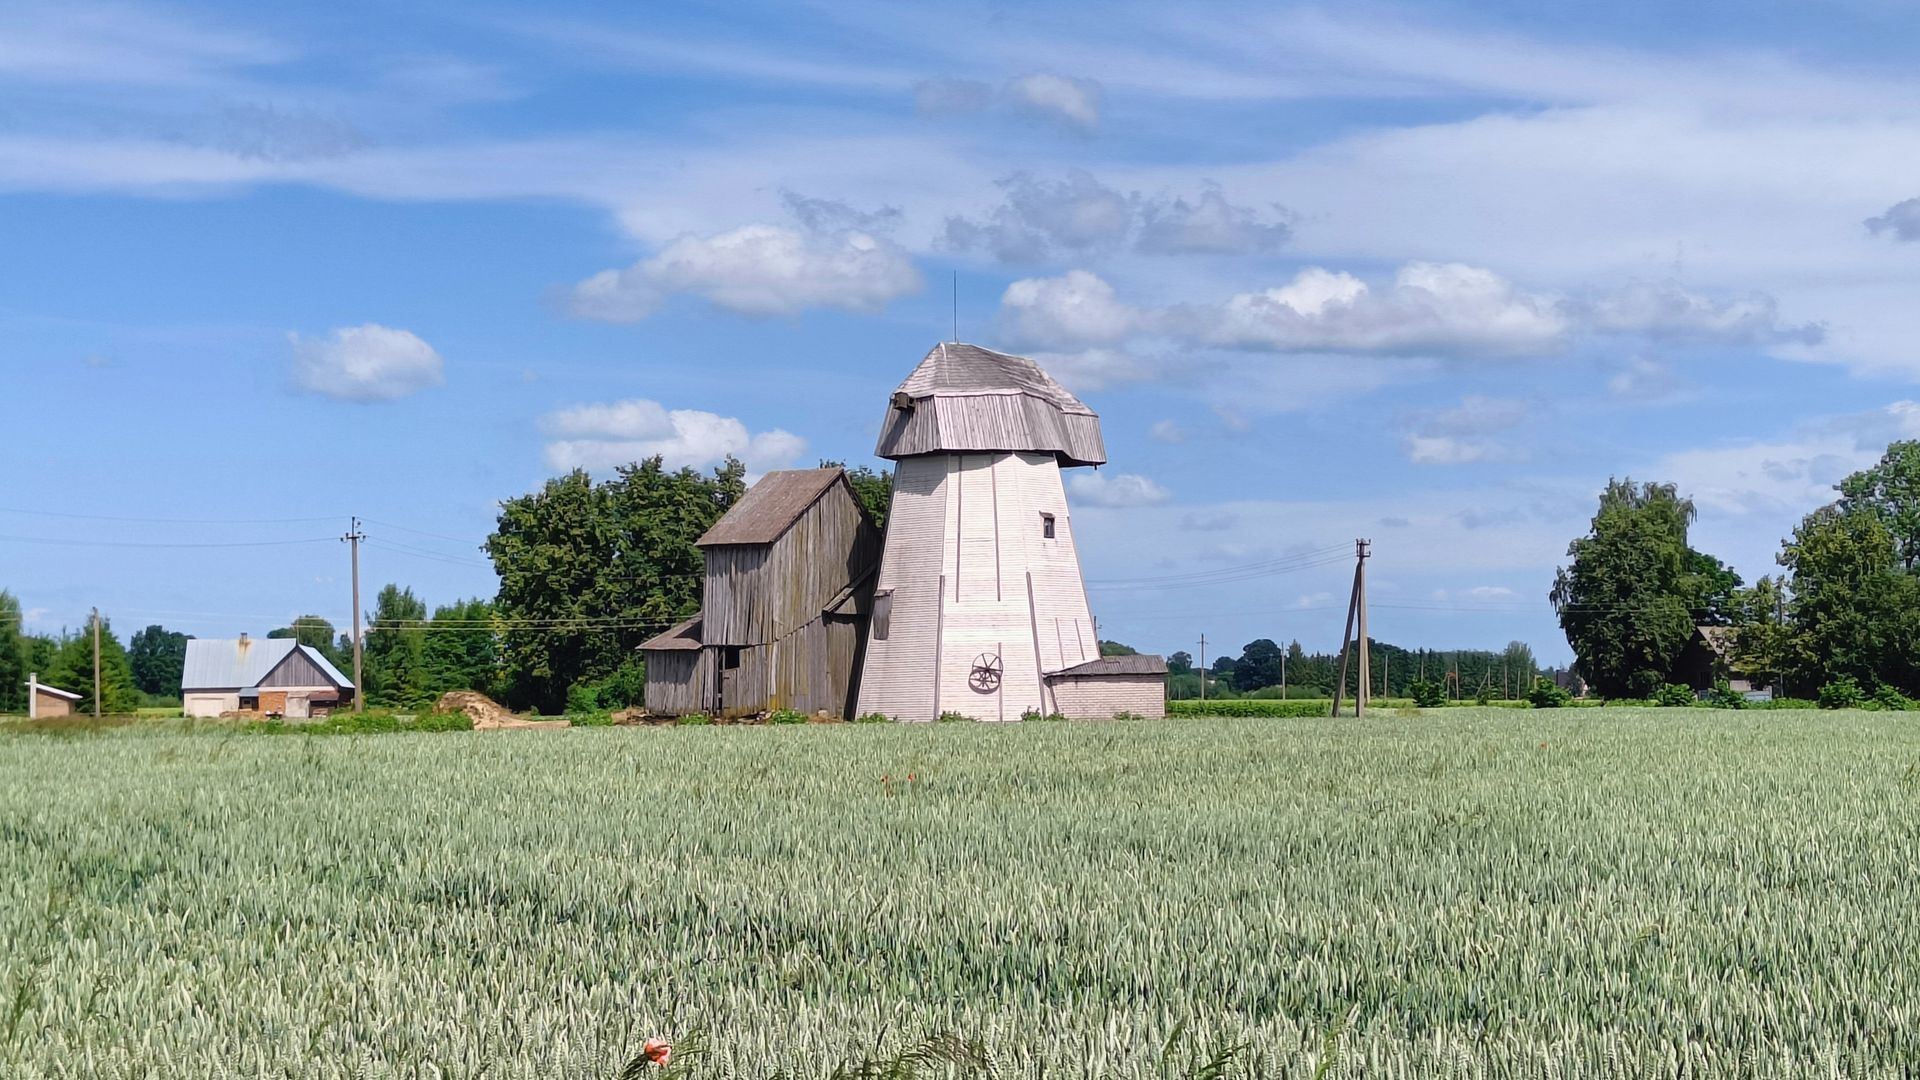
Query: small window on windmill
x,y
730,657
1046,526
882,613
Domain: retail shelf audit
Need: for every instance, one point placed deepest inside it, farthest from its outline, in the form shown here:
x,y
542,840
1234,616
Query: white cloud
x,y
1072,102
1451,450
1430,308
365,363
1647,380
1075,309
1458,436
1901,221
1490,592
1041,219
1665,310
1791,475
758,270
603,436
1115,489
1166,431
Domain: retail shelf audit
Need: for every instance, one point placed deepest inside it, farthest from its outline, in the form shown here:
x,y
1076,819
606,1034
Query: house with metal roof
x,y
784,605
271,677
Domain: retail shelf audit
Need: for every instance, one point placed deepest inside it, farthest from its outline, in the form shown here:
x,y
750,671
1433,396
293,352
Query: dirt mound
x,y
486,713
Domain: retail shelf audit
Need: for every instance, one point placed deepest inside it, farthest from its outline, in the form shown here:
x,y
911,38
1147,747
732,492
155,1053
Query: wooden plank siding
x,y
297,671
767,641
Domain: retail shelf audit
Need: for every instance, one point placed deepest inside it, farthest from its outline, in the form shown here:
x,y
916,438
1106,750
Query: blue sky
x,y
1424,273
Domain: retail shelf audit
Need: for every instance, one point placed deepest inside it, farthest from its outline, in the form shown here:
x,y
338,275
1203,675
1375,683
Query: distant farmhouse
x,y
784,605
274,677
47,702
1710,657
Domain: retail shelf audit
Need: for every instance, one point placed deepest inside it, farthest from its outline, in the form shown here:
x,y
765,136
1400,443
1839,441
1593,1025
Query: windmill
x,y
979,607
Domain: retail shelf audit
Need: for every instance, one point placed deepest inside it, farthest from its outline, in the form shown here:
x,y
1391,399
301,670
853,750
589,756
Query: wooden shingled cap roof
x,y
684,636
770,507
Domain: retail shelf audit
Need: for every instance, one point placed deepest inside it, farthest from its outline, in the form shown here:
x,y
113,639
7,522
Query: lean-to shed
x,y
784,607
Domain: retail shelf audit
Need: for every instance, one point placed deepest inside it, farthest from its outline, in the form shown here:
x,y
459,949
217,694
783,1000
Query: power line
x,y
68,542
164,521
422,532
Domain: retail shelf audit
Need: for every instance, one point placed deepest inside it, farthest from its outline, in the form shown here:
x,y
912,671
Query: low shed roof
x,y
684,636
1114,665
770,507
43,688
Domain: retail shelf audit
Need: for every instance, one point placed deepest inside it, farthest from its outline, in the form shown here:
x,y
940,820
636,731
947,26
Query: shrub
x,y
951,717
1892,700
693,718
873,718
786,716
625,686
1842,693
1546,694
1246,707
1726,697
1124,715
1485,696
1675,696
1427,693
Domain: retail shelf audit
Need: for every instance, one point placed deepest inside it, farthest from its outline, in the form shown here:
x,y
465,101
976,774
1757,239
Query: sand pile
x,y
486,713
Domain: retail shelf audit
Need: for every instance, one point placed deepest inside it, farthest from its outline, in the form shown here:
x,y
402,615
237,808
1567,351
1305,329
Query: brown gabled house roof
x,y
1114,665
770,507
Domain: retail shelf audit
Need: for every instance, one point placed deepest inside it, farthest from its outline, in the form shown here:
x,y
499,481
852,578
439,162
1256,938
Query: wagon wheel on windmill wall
x,y
985,676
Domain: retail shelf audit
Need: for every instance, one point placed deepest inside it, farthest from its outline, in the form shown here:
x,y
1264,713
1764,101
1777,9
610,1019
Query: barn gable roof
x,y
215,664
43,688
965,398
771,506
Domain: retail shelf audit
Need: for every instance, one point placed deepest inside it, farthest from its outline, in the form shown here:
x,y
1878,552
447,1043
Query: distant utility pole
x,y
352,540
96,663
1356,604
1283,670
1203,667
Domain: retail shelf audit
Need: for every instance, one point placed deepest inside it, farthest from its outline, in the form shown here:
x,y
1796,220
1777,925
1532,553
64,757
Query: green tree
x,y
158,656
1626,600
588,571
462,649
1258,666
1890,491
1181,663
1855,609
13,656
72,669
1762,637
391,654
1709,586
1114,648
1517,668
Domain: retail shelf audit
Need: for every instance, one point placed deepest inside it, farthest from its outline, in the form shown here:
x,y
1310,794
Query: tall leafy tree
x,y
1855,608
1258,666
158,656
13,656
72,669
588,571
1180,663
462,649
1115,648
1890,491
318,632
1627,600
395,637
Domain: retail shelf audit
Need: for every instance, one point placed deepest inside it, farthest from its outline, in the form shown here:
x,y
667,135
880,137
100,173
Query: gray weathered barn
x,y
784,607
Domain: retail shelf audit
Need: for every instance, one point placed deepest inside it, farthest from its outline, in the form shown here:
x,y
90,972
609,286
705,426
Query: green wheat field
x,y
1465,893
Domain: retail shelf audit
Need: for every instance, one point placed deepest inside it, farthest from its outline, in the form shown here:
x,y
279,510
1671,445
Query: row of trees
x,y
65,660
1263,666
1847,606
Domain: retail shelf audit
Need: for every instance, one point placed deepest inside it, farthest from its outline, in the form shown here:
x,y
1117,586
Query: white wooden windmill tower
x,y
979,608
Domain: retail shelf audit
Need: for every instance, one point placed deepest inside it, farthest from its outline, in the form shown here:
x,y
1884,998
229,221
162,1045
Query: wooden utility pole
x,y
1356,604
96,663
352,540
1203,667
1283,670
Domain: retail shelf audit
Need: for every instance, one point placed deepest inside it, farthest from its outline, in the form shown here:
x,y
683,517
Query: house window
x,y
730,657
1046,526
